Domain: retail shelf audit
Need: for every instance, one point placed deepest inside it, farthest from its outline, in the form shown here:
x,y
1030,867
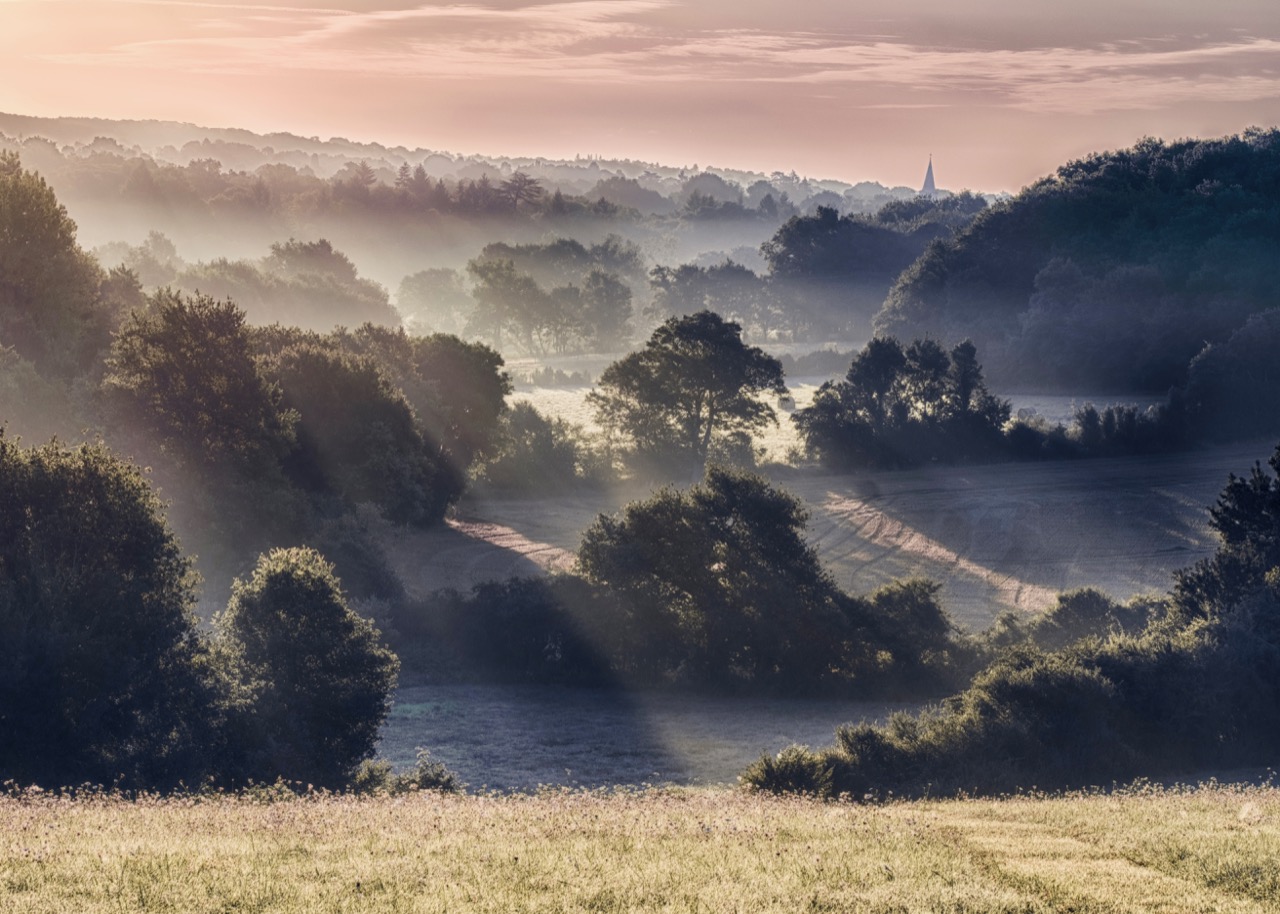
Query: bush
x,y
793,770
534,454
375,776
313,683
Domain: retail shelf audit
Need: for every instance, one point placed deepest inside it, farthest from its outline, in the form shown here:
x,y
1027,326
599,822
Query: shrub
x,y
534,453
793,770
314,684
375,776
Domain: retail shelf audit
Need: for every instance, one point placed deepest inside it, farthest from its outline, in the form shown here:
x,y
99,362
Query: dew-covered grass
x,y
1210,849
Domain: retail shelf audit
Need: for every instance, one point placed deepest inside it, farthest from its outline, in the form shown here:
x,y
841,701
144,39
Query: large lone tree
x,y
693,382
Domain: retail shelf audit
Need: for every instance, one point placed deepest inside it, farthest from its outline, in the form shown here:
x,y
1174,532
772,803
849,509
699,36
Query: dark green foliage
x,y
184,393
183,373
313,682
51,310
376,777
535,454
900,407
357,437
693,381
1233,387
713,587
827,246
101,668
1247,519
457,389
720,588
357,557
794,770
832,272
932,215
1112,273
559,630
1078,614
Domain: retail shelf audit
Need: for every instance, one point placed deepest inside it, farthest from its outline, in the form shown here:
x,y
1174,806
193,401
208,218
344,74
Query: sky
x,y
999,92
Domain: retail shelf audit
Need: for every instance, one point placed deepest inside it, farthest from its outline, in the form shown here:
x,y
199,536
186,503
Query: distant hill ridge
x,y
238,148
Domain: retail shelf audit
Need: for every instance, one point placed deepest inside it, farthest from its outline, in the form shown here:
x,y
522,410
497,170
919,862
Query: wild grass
x,y
1209,849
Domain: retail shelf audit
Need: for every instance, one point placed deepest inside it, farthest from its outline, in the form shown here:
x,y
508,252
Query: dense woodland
x,y
1111,274
284,403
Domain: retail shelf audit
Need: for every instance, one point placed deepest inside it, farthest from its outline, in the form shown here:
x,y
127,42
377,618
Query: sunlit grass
x,y
1214,849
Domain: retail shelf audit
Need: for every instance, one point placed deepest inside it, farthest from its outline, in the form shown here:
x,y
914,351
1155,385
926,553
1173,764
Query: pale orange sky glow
x,y
999,91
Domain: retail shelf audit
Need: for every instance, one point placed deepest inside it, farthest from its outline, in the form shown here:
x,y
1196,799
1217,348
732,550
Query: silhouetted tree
x,y
49,287
897,407
720,585
521,188
100,663
693,381
314,682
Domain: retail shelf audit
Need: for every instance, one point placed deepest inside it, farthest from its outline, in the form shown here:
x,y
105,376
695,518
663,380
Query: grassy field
x,y
1211,849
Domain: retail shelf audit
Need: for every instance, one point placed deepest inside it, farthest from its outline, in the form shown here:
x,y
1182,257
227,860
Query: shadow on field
x,y
517,737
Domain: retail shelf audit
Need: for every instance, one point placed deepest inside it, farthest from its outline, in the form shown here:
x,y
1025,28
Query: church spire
x,y
929,188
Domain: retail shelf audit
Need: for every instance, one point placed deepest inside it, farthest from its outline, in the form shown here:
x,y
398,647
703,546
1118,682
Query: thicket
x,y
1197,688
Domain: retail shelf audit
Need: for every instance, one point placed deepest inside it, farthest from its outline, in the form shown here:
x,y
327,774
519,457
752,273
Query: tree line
x,y
1111,274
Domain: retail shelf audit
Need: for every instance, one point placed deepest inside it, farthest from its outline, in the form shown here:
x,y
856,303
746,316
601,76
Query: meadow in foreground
x,y
1213,848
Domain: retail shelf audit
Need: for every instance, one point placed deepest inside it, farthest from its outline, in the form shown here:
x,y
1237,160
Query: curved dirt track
x,y
1006,536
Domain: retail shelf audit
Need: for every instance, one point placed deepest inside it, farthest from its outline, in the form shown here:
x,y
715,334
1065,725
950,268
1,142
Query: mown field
x,y
1213,849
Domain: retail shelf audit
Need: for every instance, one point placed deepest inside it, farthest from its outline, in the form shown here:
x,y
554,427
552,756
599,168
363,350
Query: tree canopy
x,y
50,310
315,680
100,661
720,581
694,382
183,370
1111,273
899,406
716,585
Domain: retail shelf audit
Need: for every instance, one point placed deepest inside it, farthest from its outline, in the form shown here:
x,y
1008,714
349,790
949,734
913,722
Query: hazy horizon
x,y
998,93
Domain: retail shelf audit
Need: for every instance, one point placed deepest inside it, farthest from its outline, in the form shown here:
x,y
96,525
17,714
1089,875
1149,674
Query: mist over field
x,y
379,471
639,456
